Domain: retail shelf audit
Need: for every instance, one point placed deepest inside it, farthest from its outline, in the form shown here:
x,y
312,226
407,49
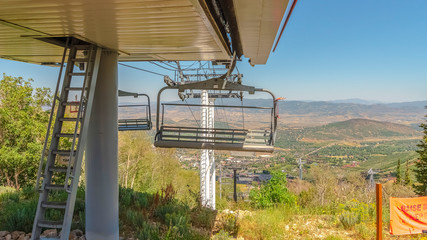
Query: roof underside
x,y
139,30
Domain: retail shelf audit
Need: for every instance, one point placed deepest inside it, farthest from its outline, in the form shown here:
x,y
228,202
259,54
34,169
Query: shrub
x,y
203,217
228,223
349,219
355,212
161,211
272,193
333,238
149,231
365,231
179,227
18,215
18,209
222,235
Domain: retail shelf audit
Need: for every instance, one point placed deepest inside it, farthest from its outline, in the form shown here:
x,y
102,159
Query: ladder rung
x,y
58,169
67,135
49,224
80,60
54,186
56,205
77,74
63,152
73,88
69,119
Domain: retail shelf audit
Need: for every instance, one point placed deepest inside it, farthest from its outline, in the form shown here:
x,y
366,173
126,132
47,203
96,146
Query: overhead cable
x,y
161,66
137,68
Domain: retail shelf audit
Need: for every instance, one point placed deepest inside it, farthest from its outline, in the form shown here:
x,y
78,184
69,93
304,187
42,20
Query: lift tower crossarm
x,y
216,84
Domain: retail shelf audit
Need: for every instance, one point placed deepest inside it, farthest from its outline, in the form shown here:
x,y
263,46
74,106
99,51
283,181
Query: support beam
x,y
102,192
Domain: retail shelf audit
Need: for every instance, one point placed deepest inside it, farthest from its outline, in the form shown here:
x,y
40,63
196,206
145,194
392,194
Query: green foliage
x,y
272,193
18,208
145,169
398,173
149,231
355,212
365,230
333,238
421,164
22,129
230,224
407,181
222,235
179,226
18,215
203,217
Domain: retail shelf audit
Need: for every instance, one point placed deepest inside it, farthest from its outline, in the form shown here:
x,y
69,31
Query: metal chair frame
x,y
215,138
135,124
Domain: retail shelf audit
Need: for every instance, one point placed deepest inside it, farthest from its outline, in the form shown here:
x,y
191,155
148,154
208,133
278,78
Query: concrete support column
x,y
102,189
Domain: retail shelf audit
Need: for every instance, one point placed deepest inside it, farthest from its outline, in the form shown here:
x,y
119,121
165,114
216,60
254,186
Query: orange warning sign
x,y
408,215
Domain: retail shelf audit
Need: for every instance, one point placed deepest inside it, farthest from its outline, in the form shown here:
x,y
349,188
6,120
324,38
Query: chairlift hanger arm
x,y
131,94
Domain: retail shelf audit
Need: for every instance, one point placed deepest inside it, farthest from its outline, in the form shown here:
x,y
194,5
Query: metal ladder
x,y
60,166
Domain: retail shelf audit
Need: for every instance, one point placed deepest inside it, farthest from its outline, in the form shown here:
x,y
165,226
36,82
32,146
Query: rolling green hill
x,y
346,131
359,129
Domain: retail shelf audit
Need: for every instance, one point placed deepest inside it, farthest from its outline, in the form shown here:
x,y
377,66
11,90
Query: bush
x,y
161,211
18,209
228,223
355,212
333,238
222,235
203,217
149,231
18,215
274,192
365,231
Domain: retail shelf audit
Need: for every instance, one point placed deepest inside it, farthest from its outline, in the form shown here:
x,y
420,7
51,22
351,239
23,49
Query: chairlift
x,y
142,120
233,139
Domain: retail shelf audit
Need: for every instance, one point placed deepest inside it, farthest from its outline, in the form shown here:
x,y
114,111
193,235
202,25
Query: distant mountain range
x,y
318,113
356,101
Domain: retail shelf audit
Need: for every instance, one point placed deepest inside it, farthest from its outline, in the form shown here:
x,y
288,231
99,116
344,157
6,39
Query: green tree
x,y
22,129
421,165
398,173
407,179
148,169
273,192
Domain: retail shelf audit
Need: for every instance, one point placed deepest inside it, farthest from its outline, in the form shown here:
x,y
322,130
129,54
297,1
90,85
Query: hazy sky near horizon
x,y
331,49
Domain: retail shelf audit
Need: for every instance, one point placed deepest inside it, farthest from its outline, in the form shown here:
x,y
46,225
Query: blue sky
x,y
331,49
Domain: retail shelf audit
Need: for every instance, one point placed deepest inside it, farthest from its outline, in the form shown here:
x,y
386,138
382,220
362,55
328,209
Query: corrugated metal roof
x,y
258,22
139,29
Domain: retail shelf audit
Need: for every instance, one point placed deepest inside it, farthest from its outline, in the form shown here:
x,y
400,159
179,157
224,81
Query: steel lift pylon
x,y
207,159
60,168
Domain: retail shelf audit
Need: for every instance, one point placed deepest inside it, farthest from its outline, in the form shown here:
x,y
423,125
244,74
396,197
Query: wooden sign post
x,y
379,197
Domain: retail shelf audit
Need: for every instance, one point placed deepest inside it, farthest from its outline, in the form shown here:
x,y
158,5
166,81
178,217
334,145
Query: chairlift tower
x,y
371,178
207,160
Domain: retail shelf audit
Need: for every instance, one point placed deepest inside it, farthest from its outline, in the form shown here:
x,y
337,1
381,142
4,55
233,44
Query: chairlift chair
x,y
136,123
243,139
